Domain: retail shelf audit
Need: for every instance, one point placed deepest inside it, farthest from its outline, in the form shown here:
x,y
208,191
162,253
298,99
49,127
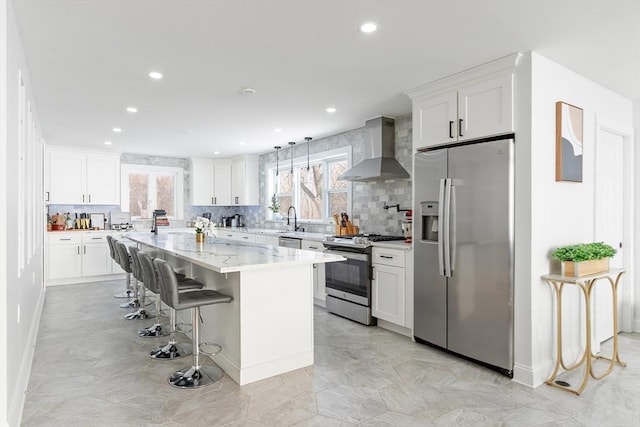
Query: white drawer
x,y
393,257
65,238
94,238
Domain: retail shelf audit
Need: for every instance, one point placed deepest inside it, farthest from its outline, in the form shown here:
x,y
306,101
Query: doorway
x,y
613,211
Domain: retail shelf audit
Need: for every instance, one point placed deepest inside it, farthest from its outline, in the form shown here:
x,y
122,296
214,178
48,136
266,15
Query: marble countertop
x,y
227,256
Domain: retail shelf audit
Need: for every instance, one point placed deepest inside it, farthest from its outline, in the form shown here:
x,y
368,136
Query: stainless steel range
x,y
348,283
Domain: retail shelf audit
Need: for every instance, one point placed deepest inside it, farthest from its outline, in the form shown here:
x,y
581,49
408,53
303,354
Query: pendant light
x,y
291,143
308,139
277,147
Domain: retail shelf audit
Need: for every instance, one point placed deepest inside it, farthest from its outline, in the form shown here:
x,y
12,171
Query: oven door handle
x,y
348,255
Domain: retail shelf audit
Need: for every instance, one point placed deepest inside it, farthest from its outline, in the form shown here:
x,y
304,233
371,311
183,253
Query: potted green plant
x,y
584,258
275,206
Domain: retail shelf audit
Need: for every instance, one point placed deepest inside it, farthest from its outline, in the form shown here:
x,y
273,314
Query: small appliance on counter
x,y
121,221
97,221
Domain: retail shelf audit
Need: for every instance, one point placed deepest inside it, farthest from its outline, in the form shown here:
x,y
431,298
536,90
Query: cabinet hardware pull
x,y
460,127
89,198
47,198
245,237
237,200
313,247
83,198
451,129
84,249
96,238
215,200
78,250
386,256
66,239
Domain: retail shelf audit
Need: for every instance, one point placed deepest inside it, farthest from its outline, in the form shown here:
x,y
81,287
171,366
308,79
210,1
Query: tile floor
x,y
90,369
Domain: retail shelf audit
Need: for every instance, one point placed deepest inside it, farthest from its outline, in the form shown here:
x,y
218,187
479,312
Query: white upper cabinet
x,y
82,177
201,182
222,182
210,182
244,182
477,103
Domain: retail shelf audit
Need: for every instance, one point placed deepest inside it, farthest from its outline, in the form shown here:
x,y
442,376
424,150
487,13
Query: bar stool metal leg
x,y
157,329
128,292
195,376
171,350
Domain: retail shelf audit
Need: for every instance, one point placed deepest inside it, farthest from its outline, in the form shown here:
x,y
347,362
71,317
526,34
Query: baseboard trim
x,y
89,279
16,403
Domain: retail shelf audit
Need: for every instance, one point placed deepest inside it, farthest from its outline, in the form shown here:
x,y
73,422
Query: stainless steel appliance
x,y
289,242
121,221
348,283
463,251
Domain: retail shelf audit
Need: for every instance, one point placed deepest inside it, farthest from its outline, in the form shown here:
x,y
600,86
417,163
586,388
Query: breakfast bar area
x,y
268,327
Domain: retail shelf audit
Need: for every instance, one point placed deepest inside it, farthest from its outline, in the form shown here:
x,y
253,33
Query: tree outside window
x,y
147,188
316,193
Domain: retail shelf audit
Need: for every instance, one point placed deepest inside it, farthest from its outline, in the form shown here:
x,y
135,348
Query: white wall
x,y
636,162
24,287
561,212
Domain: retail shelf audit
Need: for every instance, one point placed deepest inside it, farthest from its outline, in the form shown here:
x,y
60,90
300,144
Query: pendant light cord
x,y
308,139
291,143
277,147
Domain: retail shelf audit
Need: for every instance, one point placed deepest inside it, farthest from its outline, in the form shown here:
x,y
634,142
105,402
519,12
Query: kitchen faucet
x,y
295,218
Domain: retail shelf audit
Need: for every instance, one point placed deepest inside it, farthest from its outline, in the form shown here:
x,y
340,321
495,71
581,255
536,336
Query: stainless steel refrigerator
x,y
463,251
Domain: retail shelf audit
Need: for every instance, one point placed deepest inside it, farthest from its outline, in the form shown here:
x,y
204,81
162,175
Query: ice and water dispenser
x,y
429,221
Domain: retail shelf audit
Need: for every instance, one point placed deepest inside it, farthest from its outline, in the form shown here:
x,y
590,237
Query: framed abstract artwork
x,y
569,138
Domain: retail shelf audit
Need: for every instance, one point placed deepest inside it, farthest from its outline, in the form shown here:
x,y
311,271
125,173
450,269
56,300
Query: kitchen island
x,y
268,327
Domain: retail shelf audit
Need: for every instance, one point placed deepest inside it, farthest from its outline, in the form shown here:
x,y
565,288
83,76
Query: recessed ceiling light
x,y
330,110
155,75
248,90
243,143
216,152
107,143
368,27
277,130
132,109
117,130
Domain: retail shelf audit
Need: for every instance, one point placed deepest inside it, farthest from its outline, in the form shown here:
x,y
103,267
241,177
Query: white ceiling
x,y
89,59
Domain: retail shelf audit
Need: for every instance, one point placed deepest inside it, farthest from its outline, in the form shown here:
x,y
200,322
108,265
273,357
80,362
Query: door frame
x,y
626,293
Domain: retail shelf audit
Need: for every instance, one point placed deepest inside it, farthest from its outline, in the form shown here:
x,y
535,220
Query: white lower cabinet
x,y
64,256
96,258
318,272
78,255
392,298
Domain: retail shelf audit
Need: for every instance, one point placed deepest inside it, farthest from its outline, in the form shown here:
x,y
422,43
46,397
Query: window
x,y
316,193
147,188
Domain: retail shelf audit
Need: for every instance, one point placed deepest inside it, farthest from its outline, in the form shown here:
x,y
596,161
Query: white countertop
x,y
226,256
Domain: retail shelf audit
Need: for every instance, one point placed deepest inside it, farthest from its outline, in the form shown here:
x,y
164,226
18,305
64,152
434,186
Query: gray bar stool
x,y
193,376
127,293
136,270
171,350
124,260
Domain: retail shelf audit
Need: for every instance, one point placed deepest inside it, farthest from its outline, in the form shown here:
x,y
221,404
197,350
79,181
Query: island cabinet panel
x,y
267,329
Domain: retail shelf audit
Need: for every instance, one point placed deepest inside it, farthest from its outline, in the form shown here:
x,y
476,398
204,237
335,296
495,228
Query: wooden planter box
x,y
584,268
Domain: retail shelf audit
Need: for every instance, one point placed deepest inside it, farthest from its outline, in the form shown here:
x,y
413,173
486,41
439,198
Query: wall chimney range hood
x,y
379,162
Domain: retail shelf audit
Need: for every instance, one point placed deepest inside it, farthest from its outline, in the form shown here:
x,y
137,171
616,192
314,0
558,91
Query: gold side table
x,y
586,283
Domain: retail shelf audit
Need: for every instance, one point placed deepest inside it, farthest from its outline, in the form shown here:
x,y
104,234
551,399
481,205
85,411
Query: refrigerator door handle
x,y
452,227
441,216
446,231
